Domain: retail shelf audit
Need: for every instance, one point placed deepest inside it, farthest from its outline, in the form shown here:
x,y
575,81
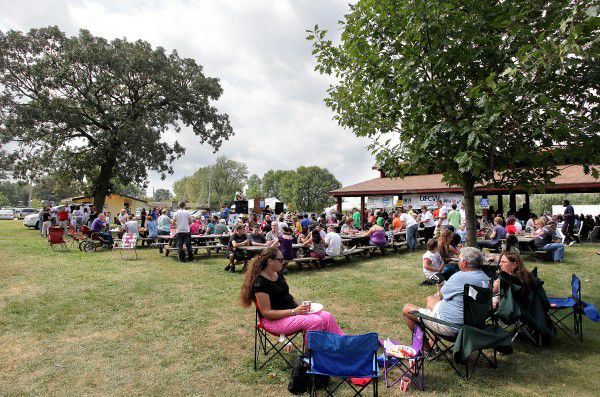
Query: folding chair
x,y
563,308
128,243
527,311
343,357
269,347
413,367
56,238
474,335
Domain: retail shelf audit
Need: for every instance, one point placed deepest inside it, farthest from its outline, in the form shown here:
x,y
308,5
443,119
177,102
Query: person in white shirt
x,y
411,226
333,241
426,218
182,220
432,261
131,226
122,217
463,215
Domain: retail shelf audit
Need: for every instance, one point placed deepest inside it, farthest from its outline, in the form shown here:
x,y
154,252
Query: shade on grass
x,y
77,323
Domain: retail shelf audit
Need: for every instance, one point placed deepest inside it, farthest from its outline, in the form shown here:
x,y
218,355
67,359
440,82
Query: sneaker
x,y
571,243
227,268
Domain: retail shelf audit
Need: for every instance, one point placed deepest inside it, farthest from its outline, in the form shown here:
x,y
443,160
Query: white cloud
x,y
257,48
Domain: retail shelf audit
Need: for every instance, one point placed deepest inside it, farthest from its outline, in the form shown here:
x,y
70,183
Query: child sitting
x,y
432,261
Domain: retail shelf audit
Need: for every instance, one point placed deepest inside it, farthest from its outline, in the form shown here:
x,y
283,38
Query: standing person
x,y
569,221
63,219
46,222
454,217
225,212
426,218
356,218
411,226
143,215
442,215
182,219
164,224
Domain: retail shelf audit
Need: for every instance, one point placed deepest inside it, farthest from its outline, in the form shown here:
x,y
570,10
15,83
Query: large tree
x,y
162,195
484,92
254,188
271,182
84,106
307,188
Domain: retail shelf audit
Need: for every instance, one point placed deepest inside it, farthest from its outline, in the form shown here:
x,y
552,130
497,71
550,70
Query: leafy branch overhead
x,y
86,106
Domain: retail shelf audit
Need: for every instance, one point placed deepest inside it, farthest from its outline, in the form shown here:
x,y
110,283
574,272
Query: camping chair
x,y
563,308
75,236
344,357
474,335
527,311
128,243
56,238
269,347
413,368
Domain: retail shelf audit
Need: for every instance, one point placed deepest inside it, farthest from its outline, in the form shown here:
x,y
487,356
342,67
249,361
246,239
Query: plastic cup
x,y
307,304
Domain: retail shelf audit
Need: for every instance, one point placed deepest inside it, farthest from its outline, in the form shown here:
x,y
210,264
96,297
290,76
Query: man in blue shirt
x,y
225,212
97,227
305,222
447,304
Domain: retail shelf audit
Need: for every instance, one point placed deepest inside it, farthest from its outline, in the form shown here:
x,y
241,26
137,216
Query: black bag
x,y
300,380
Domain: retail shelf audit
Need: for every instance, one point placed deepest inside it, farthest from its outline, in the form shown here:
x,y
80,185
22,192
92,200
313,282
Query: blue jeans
x,y
411,237
557,250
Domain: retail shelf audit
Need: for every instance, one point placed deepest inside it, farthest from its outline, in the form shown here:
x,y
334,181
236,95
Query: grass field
x,y
92,324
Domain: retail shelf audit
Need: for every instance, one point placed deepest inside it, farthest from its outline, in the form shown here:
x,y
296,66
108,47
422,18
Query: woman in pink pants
x,y
281,313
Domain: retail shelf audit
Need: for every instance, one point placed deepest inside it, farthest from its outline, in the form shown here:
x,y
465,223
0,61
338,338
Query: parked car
x,y
23,212
7,214
32,220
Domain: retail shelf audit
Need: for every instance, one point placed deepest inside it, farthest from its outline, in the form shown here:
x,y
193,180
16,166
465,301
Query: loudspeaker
x,y
241,207
278,208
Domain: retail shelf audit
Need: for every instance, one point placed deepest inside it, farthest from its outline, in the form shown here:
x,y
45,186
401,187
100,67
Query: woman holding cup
x,y
281,313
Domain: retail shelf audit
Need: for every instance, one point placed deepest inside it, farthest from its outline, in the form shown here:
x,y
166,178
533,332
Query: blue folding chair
x,y
563,308
343,357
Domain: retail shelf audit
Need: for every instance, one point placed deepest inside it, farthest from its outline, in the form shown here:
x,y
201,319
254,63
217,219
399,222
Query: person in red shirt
x,y
510,225
63,219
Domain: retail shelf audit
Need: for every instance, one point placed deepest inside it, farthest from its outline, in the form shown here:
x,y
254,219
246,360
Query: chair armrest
x,y
422,317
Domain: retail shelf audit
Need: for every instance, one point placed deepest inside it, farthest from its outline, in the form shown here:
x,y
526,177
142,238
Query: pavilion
x,y
572,179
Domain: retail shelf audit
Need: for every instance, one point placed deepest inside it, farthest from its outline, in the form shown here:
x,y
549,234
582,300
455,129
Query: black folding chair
x,y
475,335
271,345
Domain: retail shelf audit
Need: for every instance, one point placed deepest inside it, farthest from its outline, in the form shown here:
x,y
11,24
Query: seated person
x,y
238,239
151,227
348,228
256,238
98,226
317,245
273,235
286,240
511,244
221,227
462,232
512,265
432,261
130,226
195,227
210,227
511,227
333,242
548,240
447,304
498,234
304,236
164,224
281,313
376,236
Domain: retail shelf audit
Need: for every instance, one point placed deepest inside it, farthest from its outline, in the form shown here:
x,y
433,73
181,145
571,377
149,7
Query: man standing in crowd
x,y
442,216
63,219
182,219
569,220
411,226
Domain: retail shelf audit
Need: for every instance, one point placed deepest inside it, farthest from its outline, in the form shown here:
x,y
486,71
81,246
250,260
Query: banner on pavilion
x,y
380,202
417,200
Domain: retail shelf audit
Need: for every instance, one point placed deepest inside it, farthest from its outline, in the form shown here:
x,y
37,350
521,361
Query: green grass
x,y
92,324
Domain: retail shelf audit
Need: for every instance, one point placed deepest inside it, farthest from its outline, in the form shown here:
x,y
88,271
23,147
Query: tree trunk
x,y
102,183
469,197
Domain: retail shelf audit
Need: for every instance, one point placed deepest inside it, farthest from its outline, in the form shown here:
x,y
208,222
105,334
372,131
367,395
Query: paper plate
x,y
401,351
315,307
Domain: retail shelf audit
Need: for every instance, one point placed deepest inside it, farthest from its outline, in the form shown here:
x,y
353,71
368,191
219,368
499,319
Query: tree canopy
x,y
213,185
484,92
162,195
87,107
254,188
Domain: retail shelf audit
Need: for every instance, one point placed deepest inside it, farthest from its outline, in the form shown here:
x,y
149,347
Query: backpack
x,y
300,380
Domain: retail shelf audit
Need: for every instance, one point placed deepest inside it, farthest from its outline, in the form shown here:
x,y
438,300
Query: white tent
x,y
346,206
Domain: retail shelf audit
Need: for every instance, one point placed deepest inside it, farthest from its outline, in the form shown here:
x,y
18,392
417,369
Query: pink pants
x,y
321,321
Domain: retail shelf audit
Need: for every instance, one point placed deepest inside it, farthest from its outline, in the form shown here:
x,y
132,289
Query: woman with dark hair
x,y
286,240
281,312
511,244
317,245
512,265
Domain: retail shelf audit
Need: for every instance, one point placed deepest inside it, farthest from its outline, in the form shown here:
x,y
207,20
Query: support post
x,y
362,211
500,208
339,205
512,203
527,201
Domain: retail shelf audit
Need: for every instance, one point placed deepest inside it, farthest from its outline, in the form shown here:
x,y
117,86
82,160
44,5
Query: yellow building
x,y
112,204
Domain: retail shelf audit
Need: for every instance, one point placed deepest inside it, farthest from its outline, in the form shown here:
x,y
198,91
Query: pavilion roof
x,y
572,179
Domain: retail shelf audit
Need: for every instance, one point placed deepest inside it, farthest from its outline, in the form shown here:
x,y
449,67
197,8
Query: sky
x,y
258,50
